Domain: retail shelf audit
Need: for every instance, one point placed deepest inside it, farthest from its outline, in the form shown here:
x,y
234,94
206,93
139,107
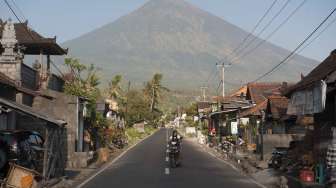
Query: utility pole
x,y
126,107
223,66
203,90
262,135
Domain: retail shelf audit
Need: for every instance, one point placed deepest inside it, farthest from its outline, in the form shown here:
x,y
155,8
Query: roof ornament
x,y
8,40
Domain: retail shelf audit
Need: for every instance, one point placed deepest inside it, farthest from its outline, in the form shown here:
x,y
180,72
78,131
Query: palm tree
x,y
115,91
153,90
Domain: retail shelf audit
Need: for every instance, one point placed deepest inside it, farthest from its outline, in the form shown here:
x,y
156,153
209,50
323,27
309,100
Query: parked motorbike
x,y
174,153
278,156
118,143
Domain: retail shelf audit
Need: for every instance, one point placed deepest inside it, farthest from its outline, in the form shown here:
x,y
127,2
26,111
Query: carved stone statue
x,y
8,41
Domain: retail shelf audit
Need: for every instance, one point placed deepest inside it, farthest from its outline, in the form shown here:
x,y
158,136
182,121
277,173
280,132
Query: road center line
x,y
167,171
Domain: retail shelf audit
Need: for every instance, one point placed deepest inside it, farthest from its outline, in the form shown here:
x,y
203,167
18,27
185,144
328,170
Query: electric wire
x,y
26,29
18,8
315,38
297,48
264,28
260,43
254,28
16,16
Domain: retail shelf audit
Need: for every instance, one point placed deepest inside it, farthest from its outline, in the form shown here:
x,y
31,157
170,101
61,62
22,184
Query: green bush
x,y
133,135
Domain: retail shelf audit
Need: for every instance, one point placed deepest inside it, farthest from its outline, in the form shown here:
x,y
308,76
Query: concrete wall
x,y
278,140
63,107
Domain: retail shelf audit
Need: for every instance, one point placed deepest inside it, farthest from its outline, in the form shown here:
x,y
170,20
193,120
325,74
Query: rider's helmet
x,y
174,134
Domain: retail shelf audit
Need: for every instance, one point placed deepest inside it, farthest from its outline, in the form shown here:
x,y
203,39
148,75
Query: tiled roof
x,y
34,42
256,110
321,72
258,92
203,105
240,92
277,106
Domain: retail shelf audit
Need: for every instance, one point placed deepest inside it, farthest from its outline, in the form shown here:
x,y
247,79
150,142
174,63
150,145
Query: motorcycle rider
x,y
175,137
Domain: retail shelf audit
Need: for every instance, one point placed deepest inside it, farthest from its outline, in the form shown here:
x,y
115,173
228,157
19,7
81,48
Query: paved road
x,y
145,166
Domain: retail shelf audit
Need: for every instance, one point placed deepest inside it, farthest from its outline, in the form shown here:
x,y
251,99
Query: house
x,y
225,110
315,96
258,93
52,129
267,115
38,87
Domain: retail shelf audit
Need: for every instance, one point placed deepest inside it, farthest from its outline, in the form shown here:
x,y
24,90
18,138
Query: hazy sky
x,y
69,19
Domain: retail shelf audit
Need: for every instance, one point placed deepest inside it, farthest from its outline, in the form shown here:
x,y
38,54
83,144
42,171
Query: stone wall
x,y
12,70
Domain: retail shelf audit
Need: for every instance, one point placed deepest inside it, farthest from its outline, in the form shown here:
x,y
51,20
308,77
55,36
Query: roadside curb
x,y
110,163
206,149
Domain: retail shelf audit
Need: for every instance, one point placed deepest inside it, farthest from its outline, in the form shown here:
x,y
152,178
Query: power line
x,y
26,29
211,75
59,70
18,8
254,28
12,10
264,28
272,33
301,44
315,38
217,90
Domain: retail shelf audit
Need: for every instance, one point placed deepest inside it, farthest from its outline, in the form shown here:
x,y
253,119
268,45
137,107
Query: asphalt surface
x,y
145,166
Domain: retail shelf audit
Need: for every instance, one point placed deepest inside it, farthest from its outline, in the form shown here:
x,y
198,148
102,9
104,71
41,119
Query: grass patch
x,y
133,135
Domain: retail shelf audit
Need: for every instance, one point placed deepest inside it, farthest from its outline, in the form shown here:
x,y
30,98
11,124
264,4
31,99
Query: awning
x,y
222,112
29,111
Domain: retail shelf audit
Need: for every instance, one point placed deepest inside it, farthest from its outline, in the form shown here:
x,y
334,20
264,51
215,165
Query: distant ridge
x,y
181,41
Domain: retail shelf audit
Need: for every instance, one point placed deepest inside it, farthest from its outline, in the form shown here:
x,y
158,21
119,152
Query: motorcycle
x,y
278,156
118,143
173,153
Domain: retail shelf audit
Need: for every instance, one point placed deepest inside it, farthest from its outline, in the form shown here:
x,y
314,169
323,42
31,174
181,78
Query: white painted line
x,y
112,162
167,159
167,171
167,151
212,154
235,168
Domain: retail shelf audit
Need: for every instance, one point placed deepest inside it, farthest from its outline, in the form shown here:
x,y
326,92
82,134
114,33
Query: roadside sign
x,y
234,127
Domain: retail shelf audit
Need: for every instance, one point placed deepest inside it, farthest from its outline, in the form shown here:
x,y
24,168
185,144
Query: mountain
x,y
181,41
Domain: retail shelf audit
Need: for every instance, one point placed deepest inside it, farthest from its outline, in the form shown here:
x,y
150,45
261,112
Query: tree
x,y
115,90
153,90
138,109
81,80
192,110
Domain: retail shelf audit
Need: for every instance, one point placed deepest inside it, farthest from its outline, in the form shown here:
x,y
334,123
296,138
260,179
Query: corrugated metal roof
x,y
321,72
29,111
